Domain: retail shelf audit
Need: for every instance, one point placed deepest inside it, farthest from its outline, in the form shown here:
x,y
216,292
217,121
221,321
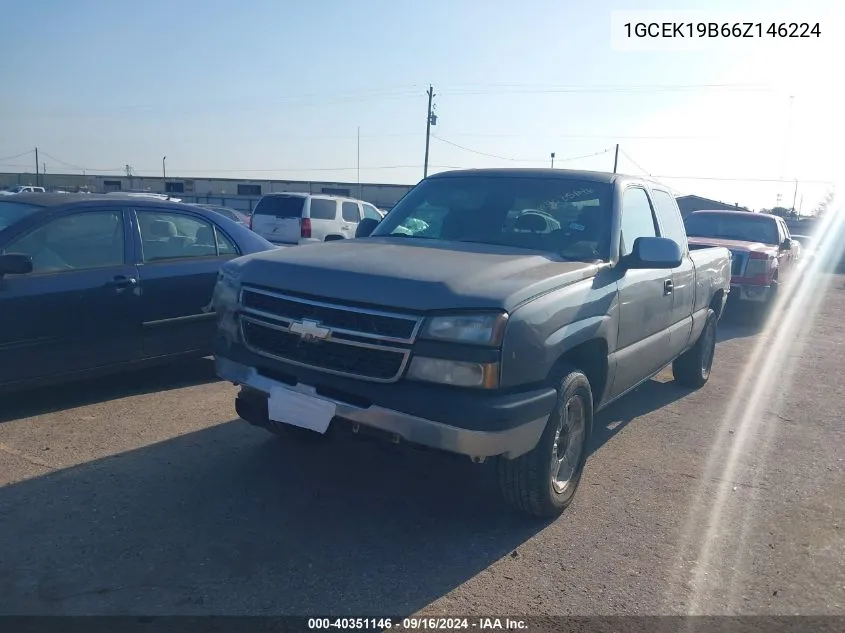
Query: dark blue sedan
x,y
91,283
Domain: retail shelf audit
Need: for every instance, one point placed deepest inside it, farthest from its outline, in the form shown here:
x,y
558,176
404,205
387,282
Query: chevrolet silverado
x,y
491,313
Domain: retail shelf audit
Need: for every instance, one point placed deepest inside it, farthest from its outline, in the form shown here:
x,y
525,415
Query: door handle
x,y
668,287
121,282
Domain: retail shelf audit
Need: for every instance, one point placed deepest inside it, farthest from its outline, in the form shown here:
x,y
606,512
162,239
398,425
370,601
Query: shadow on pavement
x,y
73,394
648,397
738,321
232,520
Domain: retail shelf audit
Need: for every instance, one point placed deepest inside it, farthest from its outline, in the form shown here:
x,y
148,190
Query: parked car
x,y
90,283
233,214
22,189
764,254
471,336
299,218
145,194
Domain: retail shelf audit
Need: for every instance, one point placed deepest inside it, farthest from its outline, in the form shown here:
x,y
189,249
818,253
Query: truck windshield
x,y
732,226
11,212
568,217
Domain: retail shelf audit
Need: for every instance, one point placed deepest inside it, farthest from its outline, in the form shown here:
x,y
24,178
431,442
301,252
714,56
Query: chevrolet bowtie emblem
x,y
310,330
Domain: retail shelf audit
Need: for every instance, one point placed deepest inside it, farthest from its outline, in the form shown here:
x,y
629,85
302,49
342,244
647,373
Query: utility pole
x,y
553,160
800,205
616,158
359,162
430,120
794,196
37,175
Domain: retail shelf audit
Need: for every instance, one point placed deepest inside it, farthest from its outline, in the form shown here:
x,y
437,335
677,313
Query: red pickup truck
x,y
763,251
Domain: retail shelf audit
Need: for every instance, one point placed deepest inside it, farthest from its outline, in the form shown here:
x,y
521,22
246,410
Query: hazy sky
x,y
278,89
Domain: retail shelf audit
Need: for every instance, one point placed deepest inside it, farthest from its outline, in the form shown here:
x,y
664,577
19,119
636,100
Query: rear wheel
x,y
543,482
692,368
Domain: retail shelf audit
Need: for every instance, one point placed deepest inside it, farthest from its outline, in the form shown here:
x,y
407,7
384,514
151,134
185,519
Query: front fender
x,y
540,331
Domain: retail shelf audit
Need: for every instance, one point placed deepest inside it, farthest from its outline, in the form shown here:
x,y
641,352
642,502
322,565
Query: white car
x,y
300,218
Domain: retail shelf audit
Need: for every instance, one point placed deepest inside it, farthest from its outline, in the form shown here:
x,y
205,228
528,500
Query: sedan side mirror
x,y
15,264
366,227
786,245
653,252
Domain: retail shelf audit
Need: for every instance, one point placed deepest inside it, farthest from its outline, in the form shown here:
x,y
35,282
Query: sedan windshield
x,y
11,212
733,226
569,217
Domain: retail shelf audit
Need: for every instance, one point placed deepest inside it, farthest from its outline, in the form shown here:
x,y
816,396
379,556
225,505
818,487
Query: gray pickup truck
x,y
491,313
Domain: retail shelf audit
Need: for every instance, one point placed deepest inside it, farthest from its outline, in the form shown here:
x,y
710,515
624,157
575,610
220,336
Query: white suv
x,y
298,218
23,189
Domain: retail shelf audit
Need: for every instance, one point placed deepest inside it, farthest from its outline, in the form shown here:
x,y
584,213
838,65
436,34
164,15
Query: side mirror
x,y
366,227
786,245
653,252
15,264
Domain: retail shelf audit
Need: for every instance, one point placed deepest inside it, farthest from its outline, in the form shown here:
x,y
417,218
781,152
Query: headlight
x,y
454,372
480,329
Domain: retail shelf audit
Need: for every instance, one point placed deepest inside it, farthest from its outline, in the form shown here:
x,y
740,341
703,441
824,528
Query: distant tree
x,y
782,212
825,202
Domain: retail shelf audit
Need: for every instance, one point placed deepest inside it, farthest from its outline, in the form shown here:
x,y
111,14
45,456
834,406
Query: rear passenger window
x,y
176,236
322,209
672,225
225,247
350,212
637,219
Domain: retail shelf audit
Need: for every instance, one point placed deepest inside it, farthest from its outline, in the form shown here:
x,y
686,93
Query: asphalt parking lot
x,y
143,494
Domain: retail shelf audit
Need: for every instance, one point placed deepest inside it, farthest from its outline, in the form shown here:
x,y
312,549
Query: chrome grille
x,y
362,343
363,322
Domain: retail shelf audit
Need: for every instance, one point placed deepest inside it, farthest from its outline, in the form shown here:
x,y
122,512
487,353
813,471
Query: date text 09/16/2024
x,y
418,624
721,30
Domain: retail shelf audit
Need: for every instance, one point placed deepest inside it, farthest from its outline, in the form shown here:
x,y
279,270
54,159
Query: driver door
x,y
78,308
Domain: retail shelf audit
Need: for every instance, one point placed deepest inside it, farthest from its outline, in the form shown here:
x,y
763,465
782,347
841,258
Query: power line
x,y
26,153
518,160
77,167
636,164
475,151
778,180
599,153
631,89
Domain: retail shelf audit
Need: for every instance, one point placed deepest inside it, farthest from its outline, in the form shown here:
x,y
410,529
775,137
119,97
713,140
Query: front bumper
x,y
513,435
750,292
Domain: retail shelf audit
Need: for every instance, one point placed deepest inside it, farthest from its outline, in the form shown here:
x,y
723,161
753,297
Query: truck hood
x,y
733,245
411,274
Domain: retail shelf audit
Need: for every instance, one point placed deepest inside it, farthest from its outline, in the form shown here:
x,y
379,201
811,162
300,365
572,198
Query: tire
x,y
692,368
526,483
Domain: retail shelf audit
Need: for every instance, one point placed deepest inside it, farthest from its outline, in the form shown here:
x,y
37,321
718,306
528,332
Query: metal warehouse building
x,y
230,192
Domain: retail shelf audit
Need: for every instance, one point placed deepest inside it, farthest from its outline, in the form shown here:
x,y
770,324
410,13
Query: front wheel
x,y
692,368
543,482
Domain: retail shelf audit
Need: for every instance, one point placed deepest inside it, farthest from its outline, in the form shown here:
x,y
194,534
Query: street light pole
x,y
163,167
794,196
